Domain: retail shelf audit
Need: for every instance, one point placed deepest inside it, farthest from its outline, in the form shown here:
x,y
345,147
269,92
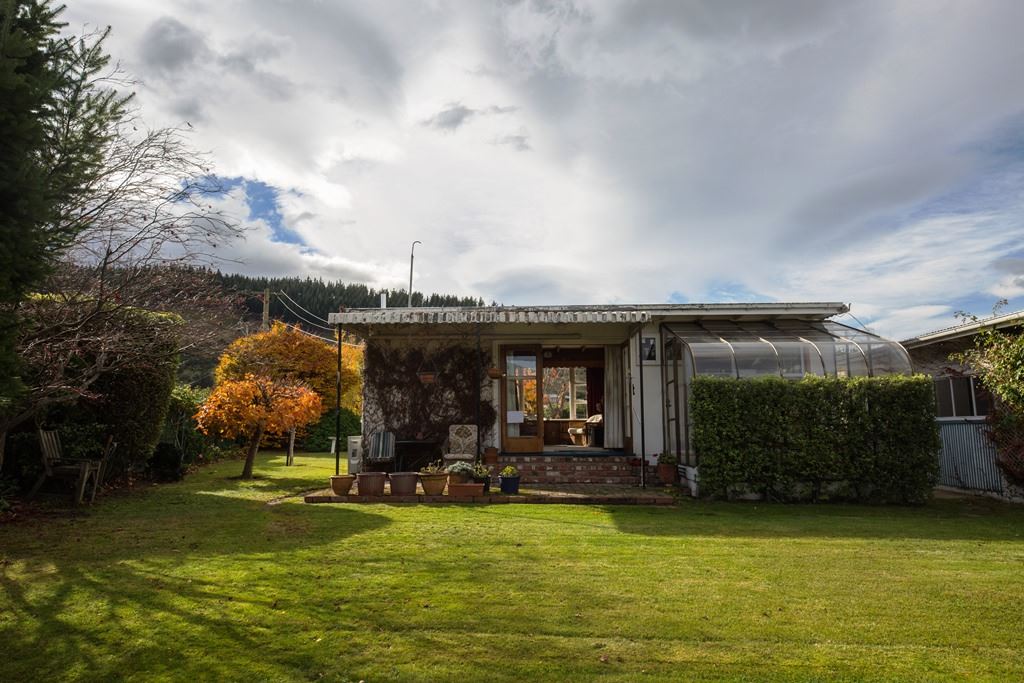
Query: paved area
x,y
581,494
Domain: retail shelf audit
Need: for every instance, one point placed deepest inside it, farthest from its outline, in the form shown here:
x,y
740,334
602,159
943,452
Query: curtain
x,y
595,391
612,397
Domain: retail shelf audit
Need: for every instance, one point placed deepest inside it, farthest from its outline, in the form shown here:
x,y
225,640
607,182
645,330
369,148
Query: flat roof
x,y
965,330
611,313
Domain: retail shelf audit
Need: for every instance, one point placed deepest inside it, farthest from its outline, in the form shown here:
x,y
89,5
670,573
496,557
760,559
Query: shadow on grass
x,y
982,520
80,589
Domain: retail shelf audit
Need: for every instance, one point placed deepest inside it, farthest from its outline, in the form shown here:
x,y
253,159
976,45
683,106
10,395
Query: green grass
x,y
203,580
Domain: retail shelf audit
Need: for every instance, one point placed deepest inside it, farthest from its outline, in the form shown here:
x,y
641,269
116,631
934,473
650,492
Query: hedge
x,y
863,438
319,437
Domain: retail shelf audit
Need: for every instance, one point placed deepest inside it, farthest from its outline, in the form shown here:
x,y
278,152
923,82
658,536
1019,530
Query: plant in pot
x,y
508,480
341,484
667,472
403,483
459,472
482,475
433,478
370,483
460,481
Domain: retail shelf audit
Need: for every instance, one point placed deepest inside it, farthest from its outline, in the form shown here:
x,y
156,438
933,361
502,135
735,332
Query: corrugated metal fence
x,y
968,459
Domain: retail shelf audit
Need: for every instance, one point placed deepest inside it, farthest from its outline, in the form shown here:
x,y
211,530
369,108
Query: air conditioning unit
x,y
355,454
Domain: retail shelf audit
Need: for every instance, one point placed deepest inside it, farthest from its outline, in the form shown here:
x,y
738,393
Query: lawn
x,y
205,580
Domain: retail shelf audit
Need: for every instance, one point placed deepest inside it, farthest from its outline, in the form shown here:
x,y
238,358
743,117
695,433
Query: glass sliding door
x,y
521,419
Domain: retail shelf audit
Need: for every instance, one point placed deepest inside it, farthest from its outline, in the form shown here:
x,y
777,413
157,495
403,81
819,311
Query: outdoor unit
x,y
355,454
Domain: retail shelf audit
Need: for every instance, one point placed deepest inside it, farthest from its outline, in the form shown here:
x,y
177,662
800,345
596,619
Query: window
x,y
565,393
961,397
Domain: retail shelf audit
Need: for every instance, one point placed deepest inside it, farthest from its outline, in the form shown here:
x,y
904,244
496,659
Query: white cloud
x,y
611,151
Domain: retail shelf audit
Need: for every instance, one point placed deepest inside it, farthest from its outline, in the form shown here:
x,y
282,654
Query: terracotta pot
x,y
494,373
433,484
465,490
341,484
371,483
403,483
667,473
454,478
490,456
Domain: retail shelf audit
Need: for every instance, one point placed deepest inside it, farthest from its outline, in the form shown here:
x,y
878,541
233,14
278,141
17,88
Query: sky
x,y
608,151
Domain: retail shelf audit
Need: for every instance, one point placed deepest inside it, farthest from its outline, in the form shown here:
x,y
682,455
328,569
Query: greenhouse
x,y
789,349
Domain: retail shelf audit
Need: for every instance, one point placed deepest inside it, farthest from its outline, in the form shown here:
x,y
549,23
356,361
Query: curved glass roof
x,y
787,348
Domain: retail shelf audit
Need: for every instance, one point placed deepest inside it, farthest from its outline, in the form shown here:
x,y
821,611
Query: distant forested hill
x,y
322,297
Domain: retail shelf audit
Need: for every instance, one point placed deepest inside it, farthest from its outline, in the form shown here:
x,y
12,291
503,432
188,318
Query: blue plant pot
x,y
509,485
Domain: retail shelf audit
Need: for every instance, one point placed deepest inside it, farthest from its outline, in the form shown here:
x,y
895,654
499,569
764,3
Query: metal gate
x,y
968,459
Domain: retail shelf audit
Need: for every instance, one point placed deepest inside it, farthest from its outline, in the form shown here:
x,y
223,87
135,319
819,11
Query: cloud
x,y
692,150
455,114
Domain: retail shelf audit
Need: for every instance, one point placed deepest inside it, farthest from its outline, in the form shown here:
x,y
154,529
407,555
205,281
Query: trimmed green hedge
x,y
863,438
319,436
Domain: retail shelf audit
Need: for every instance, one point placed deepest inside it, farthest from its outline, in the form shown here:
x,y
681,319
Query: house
x,y
968,458
579,393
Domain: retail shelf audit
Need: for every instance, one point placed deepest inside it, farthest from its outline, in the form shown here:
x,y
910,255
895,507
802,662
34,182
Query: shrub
x,y
318,438
168,462
180,427
791,440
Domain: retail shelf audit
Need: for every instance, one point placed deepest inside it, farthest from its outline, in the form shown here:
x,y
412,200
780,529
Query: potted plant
x,y
493,372
459,472
667,468
371,483
403,483
482,475
490,455
508,480
341,484
433,478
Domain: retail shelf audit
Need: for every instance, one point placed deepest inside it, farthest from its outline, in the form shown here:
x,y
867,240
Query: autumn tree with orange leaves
x,y
256,405
287,353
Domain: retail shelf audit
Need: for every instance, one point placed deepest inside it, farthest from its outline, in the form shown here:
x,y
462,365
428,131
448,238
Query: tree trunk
x,y
290,460
3,444
250,457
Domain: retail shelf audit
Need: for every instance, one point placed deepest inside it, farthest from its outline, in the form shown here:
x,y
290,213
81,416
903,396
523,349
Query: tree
x,y
121,210
288,353
997,358
256,405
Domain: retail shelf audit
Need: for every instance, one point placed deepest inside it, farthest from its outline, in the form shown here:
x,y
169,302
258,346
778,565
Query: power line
x,y
302,308
299,316
317,336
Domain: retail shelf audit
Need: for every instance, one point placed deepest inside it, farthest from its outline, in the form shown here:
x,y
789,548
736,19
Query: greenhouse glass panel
x,y
799,359
714,359
755,359
889,359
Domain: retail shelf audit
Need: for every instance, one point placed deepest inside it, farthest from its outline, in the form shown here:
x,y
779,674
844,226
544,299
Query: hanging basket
x,y
427,376
493,372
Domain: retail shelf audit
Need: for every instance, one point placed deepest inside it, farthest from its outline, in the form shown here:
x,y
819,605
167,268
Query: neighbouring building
x,y
968,458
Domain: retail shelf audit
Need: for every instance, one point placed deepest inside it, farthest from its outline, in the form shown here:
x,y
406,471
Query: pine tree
x,y
54,127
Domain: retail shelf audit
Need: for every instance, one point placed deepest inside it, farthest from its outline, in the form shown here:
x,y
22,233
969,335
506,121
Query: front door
x,y
522,421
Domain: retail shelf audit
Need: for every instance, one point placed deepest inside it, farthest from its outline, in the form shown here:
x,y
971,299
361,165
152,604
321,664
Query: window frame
x,y
973,385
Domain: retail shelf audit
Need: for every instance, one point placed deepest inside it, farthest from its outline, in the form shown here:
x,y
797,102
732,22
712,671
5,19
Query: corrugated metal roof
x,y
620,313
955,332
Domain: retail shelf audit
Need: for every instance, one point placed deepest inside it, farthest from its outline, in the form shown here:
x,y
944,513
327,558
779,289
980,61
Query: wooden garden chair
x,y
56,466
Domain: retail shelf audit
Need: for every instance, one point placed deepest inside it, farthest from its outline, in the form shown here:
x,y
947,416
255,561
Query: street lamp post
x,y
412,257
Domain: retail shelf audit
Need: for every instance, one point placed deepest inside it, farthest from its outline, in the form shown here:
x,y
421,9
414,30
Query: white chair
x,y
461,444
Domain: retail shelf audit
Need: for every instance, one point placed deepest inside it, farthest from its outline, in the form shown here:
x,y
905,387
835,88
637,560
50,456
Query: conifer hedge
x,y
863,438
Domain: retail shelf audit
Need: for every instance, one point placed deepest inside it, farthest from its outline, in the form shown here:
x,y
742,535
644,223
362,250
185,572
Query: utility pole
x,y
412,257
266,310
